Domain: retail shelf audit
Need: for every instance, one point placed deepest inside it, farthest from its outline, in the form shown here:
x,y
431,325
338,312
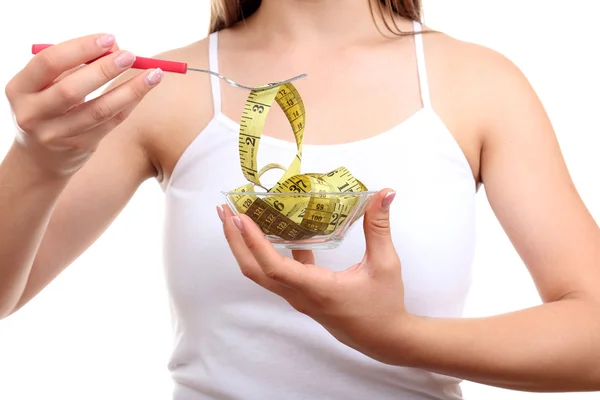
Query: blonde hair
x,y
225,13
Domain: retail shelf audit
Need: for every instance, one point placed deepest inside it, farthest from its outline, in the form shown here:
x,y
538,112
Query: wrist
x,y
408,328
394,341
40,167
23,163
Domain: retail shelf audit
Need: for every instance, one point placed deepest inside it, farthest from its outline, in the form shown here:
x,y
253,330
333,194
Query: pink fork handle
x,y
140,62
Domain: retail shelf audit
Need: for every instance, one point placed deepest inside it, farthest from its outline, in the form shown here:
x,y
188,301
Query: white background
x,y
101,330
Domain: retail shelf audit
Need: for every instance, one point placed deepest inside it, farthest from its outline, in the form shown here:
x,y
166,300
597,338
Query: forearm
x,y
554,347
27,198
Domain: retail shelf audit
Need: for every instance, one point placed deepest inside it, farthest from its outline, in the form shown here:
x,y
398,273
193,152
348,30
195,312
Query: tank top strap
x,y
213,62
422,69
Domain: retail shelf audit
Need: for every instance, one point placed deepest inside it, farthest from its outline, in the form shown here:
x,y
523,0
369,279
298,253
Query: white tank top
x,y
236,340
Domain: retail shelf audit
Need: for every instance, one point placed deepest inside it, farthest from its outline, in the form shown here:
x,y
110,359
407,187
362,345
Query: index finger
x,y
284,270
246,261
53,61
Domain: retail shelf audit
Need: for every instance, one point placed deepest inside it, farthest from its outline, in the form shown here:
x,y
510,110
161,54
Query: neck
x,y
333,21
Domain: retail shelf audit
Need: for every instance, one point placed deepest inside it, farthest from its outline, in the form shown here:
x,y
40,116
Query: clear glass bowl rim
x,y
271,194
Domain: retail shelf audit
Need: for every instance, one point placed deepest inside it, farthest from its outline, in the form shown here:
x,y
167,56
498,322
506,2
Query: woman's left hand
x,y
362,306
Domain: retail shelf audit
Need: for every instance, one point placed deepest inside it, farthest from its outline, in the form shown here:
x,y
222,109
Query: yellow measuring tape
x,y
289,216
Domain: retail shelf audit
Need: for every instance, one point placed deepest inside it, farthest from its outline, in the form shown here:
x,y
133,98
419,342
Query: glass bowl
x,y
302,221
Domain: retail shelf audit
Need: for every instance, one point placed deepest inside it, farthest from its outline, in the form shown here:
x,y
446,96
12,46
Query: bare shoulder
x,y
469,62
476,90
478,77
178,108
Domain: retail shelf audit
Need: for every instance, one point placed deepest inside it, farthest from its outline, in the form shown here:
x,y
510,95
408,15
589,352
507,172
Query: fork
x,y
180,68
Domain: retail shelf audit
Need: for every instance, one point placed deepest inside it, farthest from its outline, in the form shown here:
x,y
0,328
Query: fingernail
x,y
125,59
238,223
154,77
387,201
221,213
106,41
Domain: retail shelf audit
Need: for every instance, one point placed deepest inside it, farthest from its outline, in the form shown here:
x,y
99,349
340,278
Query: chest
x,y
347,96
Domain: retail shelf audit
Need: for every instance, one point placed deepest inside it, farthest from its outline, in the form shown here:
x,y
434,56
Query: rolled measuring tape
x,y
290,216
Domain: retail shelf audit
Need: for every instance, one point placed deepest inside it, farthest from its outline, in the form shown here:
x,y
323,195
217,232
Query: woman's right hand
x,y
56,126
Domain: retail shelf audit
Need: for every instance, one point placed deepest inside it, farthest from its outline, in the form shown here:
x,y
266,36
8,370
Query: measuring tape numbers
x,y
290,215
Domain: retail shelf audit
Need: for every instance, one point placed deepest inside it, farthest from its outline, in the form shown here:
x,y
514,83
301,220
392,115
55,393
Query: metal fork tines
x,y
239,85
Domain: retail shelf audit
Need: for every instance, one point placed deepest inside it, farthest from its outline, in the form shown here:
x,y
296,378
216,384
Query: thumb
x,y
377,224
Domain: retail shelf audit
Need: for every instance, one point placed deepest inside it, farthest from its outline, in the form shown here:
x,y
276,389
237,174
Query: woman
x,y
430,117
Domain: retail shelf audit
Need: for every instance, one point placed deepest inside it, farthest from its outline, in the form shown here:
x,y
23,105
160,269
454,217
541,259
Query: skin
x,y
76,164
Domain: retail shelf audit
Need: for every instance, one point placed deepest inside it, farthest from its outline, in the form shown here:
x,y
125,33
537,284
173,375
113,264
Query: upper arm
x,y
529,187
